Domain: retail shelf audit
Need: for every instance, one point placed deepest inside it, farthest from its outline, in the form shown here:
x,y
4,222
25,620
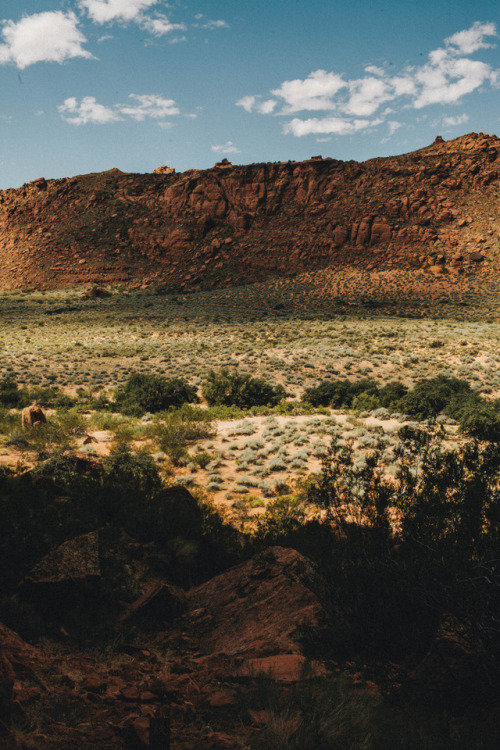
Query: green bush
x,y
366,401
173,432
391,394
393,586
13,396
328,393
283,517
341,393
153,393
202,459
430,396
230,387
9,392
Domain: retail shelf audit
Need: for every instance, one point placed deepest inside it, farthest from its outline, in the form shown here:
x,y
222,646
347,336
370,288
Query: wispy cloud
x,y
207,23
52,36
352,105
335,125
454,121
226,148
394,125
140,108
149,105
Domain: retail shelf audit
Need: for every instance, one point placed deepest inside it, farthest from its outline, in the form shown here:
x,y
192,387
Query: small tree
x,y
152,393
229,387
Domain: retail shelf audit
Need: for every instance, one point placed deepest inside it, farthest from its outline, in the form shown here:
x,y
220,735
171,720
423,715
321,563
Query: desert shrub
x,y
341,393
173,432
479,419
9,392
283,517
13,396
476,416
430,396
365,401
202,459
333,713
228,387
63,401
391,394
328,393
44,395
152,393
438,561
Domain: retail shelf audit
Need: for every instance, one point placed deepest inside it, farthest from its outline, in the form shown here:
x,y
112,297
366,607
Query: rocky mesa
x,y
436,208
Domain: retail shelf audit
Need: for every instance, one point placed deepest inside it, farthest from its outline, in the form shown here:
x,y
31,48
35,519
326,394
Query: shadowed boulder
x,y
64,577
257,608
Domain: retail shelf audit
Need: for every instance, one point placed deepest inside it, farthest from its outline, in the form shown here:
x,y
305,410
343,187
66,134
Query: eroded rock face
x,y
257,608
173,229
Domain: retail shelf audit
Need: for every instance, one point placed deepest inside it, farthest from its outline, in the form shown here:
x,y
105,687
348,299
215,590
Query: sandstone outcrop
x,y
233,224
31,416
164,170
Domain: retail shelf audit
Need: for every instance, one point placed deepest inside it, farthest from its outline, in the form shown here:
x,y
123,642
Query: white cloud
x,y
247,102
448,75
51,36
470,40
448,80
160,25
149,105
335,125
313,93
367,94
125,11
104,11
89,110
454,121
250,103
265,108
374,70
226,148
142,107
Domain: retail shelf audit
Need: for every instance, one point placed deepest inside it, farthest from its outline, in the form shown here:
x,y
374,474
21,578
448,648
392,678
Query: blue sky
x,y
87,85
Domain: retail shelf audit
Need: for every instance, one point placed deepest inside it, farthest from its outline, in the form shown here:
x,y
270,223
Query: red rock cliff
x,y
437,208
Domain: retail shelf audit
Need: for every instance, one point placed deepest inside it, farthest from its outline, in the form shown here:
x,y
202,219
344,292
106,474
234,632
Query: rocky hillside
x,y
436,208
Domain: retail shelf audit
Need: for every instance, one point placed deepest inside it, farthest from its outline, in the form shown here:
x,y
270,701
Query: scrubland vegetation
x,y
371,445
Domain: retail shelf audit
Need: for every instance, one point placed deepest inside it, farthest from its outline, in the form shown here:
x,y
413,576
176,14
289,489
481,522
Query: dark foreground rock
x,y
257,608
